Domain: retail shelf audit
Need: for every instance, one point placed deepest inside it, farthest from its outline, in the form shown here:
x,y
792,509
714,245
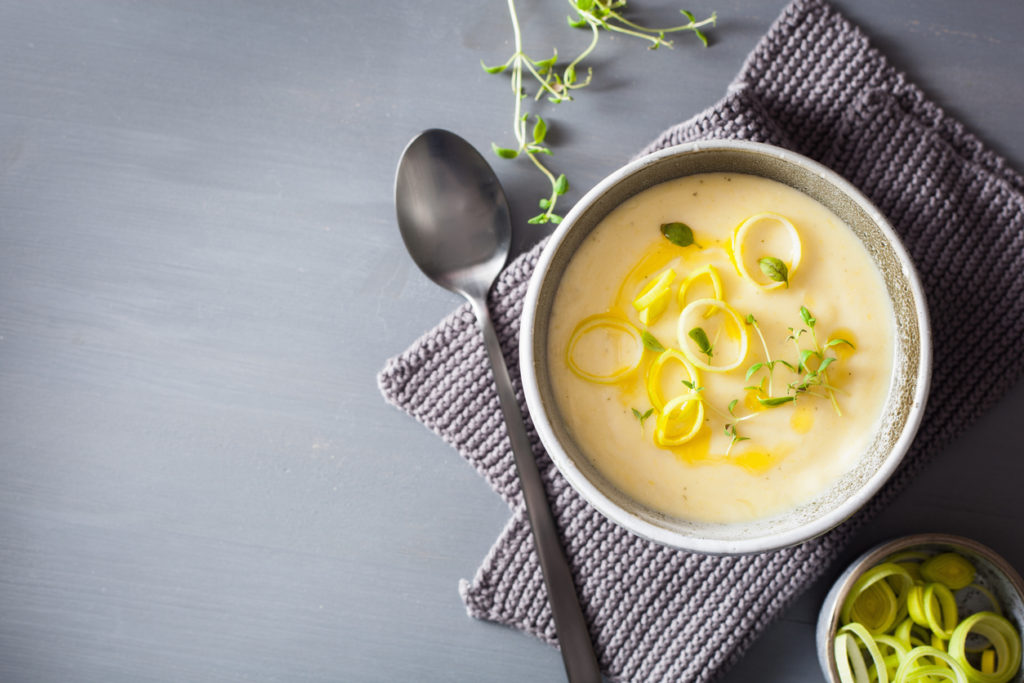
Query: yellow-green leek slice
x,y
739,237
650,314
848,655
910,560
940,610
850,664
950,569
1004,639
909,670
902,633
680,420
653,299
686,344
711,273
871,600
654,375
988,661
908,636
932,673
992,601
899,652
654,289
607,322
915,605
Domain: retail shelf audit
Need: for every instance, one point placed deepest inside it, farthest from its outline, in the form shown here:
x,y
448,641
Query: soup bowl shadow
x,y
905,399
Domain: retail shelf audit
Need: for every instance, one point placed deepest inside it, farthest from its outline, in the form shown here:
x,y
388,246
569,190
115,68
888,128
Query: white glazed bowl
x,y
907,393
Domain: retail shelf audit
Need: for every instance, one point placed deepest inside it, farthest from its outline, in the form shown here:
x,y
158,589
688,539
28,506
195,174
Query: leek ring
x,y
740,235
686,345
595,322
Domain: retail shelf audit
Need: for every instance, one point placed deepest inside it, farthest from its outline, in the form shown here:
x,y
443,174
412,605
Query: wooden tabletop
x,y
200,276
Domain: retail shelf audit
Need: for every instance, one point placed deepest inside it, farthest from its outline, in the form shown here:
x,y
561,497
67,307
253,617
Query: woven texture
x,y
813,85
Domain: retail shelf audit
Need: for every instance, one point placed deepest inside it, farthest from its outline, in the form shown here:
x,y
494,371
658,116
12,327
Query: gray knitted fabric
x,y
814,85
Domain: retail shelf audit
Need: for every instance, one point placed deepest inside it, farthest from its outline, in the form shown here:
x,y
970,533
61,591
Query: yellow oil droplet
x,y
750,399
755,461
696,449
732,330
802,419
843,351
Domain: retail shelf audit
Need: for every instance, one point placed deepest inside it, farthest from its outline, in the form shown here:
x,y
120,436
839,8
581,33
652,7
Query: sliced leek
x,y
899,652
940,610
930,643
1004,639
654,376
740,236
609,325
988,661
711,273
915,605
872,601
949,569
650,313
849,661
909,669
687,345
653,299
679,421
868,642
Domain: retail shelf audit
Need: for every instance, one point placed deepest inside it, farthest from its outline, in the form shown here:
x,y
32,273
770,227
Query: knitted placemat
x,y
814,85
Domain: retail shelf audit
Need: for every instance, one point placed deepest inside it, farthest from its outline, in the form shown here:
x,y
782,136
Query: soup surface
x,y
721,347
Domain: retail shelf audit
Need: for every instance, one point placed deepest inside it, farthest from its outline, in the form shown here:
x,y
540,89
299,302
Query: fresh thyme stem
x,y
767,354
558,85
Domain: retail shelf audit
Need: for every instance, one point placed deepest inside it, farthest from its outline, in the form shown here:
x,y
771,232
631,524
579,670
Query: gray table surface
x,y
201,276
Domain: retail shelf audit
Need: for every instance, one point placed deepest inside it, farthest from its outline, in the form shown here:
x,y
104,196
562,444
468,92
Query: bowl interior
x,y
993,573
910,368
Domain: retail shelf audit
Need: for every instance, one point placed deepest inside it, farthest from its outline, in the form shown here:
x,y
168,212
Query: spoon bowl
x,y
452,212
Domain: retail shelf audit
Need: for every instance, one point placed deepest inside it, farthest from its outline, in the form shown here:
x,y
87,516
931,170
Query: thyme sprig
x,y
557,83
816,376
642,417
811,366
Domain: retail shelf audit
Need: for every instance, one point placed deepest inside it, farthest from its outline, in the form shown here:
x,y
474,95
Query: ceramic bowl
x,y
906,396
993,573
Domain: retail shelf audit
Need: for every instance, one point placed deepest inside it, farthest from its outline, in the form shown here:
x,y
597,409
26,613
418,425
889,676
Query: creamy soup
x,y
721,347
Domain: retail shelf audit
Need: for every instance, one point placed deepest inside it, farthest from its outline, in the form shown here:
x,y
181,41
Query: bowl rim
x,y
643,528
841,587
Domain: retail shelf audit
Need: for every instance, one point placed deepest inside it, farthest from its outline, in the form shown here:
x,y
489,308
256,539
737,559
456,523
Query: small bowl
x,y
994,573
911,369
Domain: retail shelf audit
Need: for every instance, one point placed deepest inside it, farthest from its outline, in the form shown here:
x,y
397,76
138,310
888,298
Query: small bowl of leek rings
x,y
928,607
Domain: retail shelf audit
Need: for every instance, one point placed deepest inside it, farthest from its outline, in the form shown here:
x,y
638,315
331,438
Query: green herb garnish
x,y
678,234
557,84
700,338
642,416
692,387
775,400
651,342
774,269
836,342
809,319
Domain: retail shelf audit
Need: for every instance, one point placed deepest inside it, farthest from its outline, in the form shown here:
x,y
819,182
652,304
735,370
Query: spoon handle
x,y
573,635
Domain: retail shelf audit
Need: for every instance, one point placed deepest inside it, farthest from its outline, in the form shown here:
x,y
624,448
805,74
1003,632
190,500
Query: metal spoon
x,y
455,222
